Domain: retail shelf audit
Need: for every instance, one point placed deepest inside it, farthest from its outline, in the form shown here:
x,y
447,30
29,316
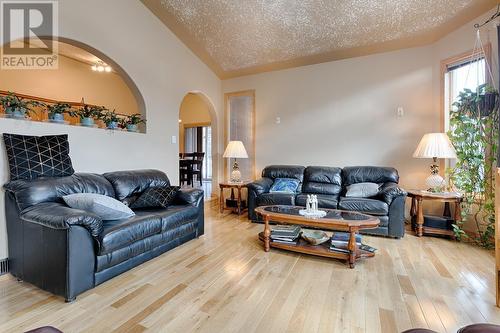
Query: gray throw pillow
x,y
362,190
105,207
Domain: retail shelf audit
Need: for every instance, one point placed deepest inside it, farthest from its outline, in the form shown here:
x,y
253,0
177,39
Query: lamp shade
x,y
435,145
235,149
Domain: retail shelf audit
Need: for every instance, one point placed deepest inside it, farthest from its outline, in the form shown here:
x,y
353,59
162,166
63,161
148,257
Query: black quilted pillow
x,y
31,157
156,197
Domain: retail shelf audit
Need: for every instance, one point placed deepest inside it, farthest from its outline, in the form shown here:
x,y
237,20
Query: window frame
x,y
462,57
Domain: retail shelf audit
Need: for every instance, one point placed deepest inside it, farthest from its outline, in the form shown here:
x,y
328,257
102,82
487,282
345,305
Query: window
x,y
465,71
240,125
459,76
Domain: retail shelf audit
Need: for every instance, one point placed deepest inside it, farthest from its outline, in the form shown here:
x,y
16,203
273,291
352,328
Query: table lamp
x,y
235,149
435,145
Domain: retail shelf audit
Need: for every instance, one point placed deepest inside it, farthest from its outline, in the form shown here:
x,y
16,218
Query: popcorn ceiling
x,y
245,33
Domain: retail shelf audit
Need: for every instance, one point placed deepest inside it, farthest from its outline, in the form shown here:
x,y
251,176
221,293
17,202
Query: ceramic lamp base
x,y
435,183
235,176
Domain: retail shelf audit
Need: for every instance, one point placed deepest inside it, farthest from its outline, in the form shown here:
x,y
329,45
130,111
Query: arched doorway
x,y
198,135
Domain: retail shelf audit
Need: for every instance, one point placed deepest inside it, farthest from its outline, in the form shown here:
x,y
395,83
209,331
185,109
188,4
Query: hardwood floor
x,y
225,282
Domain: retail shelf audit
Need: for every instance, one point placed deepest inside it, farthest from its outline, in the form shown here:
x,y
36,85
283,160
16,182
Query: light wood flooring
x,y
225,282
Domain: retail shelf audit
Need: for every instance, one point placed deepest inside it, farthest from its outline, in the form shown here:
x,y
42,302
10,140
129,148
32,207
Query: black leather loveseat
x,y
329,184
67,251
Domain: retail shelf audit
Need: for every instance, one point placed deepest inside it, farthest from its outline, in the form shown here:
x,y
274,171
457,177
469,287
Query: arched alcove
x,y
75,79
199,120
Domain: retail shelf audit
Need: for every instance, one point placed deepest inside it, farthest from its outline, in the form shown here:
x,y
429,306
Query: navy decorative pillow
x,y
156,197
284,185
31,157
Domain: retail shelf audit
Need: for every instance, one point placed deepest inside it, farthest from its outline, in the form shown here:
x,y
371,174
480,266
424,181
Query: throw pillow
x,y
156,197
31,157
284,185
362,190
105,207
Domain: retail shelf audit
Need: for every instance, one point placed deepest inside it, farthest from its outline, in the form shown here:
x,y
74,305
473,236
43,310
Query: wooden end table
x,y
232,185
417,213
336,220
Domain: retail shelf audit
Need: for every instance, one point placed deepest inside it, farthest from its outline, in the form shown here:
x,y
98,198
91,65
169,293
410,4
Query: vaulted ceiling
x,y
240,37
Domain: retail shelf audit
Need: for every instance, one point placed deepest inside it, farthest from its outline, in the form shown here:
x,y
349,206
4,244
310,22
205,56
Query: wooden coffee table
x,y
337,220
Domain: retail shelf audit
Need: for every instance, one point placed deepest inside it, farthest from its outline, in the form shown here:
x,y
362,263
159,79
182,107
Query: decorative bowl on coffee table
x,y
315,237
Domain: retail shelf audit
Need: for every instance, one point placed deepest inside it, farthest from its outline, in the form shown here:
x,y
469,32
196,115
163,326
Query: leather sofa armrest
x,y
56,215
390,191
260,186
189,196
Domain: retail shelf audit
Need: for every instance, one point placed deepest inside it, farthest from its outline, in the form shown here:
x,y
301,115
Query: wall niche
x,y
86,80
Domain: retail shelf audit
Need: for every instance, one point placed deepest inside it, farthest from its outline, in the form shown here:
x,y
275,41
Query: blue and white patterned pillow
x,y
284,185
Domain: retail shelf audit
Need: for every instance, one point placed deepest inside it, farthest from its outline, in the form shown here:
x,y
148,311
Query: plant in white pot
x,y
132,121
17,107
57,111
111,119
89,113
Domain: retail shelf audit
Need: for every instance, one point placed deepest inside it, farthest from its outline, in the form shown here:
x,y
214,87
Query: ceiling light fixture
x,y
101,67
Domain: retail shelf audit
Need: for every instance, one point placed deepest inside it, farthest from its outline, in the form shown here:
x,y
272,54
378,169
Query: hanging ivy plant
x,y
474,133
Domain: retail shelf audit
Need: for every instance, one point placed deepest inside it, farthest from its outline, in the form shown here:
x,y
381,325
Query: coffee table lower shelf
x,y
322,250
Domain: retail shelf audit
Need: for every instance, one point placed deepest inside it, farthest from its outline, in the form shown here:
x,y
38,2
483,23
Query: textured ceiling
x,y
237,37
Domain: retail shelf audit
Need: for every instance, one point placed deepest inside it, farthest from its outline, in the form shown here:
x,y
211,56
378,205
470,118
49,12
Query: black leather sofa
x,y
68,251
329,184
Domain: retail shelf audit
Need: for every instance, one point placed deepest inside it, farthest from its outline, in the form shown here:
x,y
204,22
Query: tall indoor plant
x,y
474,133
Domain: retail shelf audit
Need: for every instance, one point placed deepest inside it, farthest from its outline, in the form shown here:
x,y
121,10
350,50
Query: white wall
x,y
163,69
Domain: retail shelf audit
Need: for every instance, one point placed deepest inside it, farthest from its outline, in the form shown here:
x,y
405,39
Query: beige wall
x,y
164,70
70,82
345,112
193,112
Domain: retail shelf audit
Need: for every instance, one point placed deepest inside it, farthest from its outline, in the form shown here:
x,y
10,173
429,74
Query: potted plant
x,y
18,107
487,99
88,113
131,122
57,111
111,119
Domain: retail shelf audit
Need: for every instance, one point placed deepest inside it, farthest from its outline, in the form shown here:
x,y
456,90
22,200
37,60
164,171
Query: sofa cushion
x,y
146,223
52,189
284,171
267,199
105,207
362,190
284,185
364,205
173,216
31,157
369,174
128,183
322,180
324,200
120,233
156,197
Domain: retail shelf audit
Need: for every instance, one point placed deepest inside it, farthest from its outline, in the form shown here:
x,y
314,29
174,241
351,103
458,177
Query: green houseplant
x,y
111,119
131,122
89,113
18,107
474,134
57,111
